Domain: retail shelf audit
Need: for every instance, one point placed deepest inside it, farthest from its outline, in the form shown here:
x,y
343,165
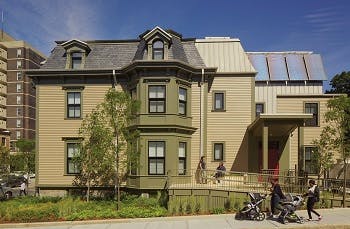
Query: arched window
x,y
158,50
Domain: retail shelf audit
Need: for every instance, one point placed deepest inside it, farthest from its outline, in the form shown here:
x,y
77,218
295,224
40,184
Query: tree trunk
x,y
88,190
344,183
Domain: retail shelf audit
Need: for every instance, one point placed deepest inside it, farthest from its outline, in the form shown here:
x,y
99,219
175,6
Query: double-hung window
x,y
19,76
182,158
219,101
309,160
156,157
19,87
19,52
312,108
158,50
218,151
19,64
182,101
76,60
73,104
156,99
73,150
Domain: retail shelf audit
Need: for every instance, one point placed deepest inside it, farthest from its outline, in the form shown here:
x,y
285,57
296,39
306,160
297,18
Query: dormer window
x,y
158,50
76,60
76,52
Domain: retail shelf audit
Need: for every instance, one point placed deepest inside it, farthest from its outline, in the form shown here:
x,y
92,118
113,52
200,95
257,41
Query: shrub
x,y
217,211
135,212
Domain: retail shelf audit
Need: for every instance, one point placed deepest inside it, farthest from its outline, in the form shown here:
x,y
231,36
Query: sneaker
x,y
319,218
309,219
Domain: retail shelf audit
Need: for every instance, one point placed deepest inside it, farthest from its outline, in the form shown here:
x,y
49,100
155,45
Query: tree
x,y
109,142
322,155
5,160
340,83
26,148
120,110
95,159
338,123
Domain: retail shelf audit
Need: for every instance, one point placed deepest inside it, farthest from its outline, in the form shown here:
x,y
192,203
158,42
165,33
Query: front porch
x,y
269,142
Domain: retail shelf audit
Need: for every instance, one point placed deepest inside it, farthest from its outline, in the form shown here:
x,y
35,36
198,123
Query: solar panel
x,y
259,63
314,67
296,67
277,67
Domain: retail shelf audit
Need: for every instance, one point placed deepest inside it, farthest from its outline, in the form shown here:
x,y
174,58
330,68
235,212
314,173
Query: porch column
x,y
301,154
265,147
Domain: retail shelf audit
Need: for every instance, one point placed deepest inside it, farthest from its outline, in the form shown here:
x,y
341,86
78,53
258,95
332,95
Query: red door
x,y
274,156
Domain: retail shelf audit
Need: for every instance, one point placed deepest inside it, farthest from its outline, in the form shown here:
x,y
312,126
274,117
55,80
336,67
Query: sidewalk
x,y
332,218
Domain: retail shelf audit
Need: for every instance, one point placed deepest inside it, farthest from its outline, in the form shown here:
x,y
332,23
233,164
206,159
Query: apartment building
x,y
199,97
18,90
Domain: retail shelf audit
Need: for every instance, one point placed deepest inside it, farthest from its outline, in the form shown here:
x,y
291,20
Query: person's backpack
x,y
317,194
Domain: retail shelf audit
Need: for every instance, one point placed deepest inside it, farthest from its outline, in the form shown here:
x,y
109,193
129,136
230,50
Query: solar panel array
x,y
286,66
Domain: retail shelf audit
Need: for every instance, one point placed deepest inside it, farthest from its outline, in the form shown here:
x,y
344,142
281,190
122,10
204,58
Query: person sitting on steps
x,y
220,171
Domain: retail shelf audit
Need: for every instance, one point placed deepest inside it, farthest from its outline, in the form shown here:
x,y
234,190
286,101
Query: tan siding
x,y
53,126
195,110
296,105
229,126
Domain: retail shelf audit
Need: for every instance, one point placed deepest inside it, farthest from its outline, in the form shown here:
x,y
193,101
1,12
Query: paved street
x,y
332,218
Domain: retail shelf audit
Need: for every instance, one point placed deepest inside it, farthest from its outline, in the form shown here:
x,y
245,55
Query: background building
x,y
17,92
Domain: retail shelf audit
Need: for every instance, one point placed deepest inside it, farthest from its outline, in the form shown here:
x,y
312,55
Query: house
x,y
254,111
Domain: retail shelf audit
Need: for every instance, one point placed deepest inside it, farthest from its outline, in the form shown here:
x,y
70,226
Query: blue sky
x,y
321,26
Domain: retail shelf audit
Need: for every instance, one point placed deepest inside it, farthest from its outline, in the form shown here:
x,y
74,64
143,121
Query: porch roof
x,y
278,124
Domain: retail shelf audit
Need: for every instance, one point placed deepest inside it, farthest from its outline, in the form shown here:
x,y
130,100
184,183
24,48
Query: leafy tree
x,y
338,123
5,160
322,155
95,159
26,149
341,83
120,110
109,142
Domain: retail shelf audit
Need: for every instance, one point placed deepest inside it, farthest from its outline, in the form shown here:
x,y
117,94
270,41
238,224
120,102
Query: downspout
x,y
201,111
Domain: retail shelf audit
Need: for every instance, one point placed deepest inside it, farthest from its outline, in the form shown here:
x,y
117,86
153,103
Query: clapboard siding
x,y
52,126
229,126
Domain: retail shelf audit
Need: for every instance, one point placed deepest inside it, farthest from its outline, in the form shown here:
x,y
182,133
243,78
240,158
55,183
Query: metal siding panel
x,y
227,56
259,63
315,67
277,67
296,67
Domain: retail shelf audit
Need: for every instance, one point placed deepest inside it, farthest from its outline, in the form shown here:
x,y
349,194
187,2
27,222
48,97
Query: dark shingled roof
x,y
118,54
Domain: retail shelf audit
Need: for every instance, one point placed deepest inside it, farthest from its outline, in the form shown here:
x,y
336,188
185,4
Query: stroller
x,y
290,205
251,210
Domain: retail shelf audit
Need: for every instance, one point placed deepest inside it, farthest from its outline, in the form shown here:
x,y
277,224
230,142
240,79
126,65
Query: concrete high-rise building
x,y
17,95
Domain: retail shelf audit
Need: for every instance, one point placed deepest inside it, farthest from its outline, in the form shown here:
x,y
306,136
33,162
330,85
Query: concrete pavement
x,y
332,218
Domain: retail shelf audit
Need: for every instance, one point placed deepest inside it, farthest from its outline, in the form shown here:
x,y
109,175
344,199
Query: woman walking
x,y
313,195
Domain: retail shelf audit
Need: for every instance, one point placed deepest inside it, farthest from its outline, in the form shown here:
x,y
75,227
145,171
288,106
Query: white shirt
x,y
23,186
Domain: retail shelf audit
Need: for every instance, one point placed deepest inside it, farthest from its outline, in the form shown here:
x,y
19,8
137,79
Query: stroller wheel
x,y
239,216
283,220
260,216
302,220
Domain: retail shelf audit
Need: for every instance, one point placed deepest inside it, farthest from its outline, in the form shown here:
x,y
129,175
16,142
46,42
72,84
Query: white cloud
x,y
53,20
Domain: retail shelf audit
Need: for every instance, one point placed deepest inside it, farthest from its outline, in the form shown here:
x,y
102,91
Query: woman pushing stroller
x,y
276,196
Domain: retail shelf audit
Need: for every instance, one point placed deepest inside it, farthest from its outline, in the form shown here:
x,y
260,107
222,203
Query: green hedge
x,y
34,209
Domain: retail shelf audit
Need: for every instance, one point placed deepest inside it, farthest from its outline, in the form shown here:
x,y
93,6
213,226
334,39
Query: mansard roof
x,y
116,54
